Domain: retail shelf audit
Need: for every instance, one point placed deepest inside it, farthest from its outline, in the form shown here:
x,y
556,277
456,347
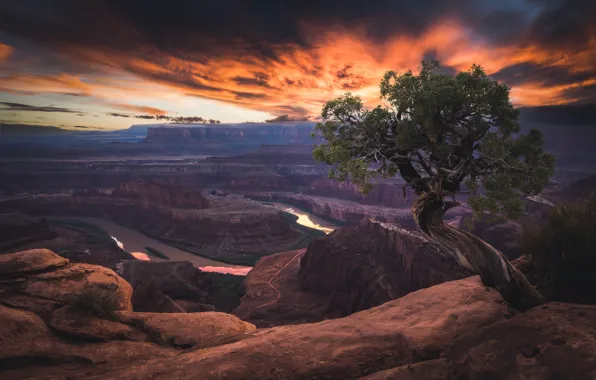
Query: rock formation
x,y
273,295
70,240
348,212
55,314
51,328
170,286
17,229
362,266
167,196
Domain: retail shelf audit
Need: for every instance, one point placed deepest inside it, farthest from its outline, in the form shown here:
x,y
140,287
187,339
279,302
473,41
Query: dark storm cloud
x,y
560,115
189,28
7,106
528,72
563,22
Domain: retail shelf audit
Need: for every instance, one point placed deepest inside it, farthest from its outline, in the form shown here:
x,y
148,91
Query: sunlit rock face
x,y
362,266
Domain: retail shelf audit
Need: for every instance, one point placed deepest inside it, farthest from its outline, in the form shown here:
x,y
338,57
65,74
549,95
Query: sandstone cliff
x,y
273,295
339,210
362,266
168,196
17,229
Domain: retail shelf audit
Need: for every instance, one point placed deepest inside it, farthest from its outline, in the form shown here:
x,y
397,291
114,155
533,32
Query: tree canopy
x,y
441,133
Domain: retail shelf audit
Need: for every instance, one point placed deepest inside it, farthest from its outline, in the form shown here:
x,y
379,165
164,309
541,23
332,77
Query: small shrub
x,y
99,300
563,252
157,253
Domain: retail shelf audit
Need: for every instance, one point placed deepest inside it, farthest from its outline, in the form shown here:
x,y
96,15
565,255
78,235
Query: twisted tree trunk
x,y
474,254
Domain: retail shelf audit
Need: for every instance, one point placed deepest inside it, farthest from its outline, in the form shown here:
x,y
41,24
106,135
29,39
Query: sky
x,y
110,63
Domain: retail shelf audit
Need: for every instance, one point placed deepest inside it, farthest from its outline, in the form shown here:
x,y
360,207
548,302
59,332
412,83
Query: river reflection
x,y
305,218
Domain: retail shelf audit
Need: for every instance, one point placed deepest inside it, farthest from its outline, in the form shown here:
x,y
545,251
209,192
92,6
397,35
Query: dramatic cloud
x,y
5,52
5,106
290,57
150,110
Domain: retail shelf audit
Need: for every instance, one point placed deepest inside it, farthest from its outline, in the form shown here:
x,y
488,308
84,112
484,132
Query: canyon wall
x,y
169,196
17,229
233,229
362,266
339,210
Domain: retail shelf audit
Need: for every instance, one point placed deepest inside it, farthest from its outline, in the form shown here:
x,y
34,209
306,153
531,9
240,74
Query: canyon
x,y
351,269
108,270
230,229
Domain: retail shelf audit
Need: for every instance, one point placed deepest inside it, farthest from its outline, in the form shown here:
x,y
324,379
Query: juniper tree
x,y
444,135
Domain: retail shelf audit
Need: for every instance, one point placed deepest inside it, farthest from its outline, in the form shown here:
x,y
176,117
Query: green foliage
x,y
439,133
563,251
228,290
100,300
156,253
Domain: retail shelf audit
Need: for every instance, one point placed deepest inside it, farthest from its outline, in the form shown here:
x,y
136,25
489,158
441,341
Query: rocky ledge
x,y
55,315
456,330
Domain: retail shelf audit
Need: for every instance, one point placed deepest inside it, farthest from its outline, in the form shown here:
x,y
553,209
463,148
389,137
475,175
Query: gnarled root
x,y
475,254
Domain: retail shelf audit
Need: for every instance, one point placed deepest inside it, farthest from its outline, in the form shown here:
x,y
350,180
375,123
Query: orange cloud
x,y
5,52
298,81
141,109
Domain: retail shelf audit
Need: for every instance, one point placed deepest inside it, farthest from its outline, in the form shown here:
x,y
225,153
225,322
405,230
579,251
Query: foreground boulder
x,y
34,260
362,266
197,330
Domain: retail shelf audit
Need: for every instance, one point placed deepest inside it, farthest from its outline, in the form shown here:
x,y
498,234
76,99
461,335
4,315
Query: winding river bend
x,y
305,218
135,242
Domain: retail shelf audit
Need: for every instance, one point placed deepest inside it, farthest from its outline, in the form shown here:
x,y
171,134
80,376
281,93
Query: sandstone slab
x,y
437,369
33,260
187,330
70,321
553,341
84,283
417,327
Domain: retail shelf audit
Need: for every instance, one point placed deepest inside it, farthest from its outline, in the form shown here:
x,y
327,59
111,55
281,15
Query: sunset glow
x,y
234,83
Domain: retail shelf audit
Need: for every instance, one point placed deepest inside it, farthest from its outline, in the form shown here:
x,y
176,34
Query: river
x,y
135,242
305,218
